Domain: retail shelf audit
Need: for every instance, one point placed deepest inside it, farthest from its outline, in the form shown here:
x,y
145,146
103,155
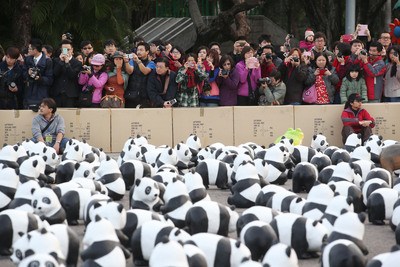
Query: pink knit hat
x,y
308,32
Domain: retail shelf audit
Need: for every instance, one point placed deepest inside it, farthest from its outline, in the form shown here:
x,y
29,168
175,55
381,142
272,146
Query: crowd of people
x,y
161,74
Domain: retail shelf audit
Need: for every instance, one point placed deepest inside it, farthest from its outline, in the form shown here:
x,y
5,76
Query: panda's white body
x,y
276,156
361,152
343,172
23,196
95,200
84,169
334,209
9,156
317,200
286,201
258,236
370,186
195,255
310,235
47,205
388,259
9,181
214,172
211,217
266,193
145,195
342,253
352,141
380,204
167,156
303,153
395,219
131,152
319,142
262,169
221,250
194,143
280,255
109,174
364,166
347,189
32,168
73,151
114,212
320,161
90,184
196,189
69,242
177,202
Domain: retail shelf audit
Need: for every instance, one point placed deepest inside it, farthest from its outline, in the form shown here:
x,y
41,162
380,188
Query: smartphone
x,y
172,101
65,51
307,53
362,29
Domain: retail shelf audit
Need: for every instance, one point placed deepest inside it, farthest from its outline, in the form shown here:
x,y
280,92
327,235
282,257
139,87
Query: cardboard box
x,y
314,119
15,125
386,116
261,124
155,124
211,125
92,125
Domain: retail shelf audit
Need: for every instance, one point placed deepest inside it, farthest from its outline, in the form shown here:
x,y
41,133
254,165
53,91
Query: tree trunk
x,y
22,22
197,19
242,25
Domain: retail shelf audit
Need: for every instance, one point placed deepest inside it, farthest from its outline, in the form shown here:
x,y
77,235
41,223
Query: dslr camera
x,y
69,36
295,59
35,72
34,107
85,68
363,52
266,80
268,56
224,72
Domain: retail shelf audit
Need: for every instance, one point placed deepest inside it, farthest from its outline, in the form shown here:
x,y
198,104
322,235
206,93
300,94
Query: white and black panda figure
x,y
258,236
330,150
33,169
204,153
317,200
262,169
74,202
304,235
9,181
386,259
319,142
380,173
196,189
221,251
340,155
69,242
321,161
194,143
334,210
194,254
177,203
350,226
304,176
147,236
211,217
256,213
276,157
151,155
73,151
352,141
90,184
9,155
109,174
132,152
184,157
280,255
375,149
348,189
46,204
145,195
65,171
342,253
326,173
165,175
85,170
137,217
214,172
15,223
134,169
370,186
380,205
95,200
247,186
303,154
168,253
101,246
360,152
363,167
286,201
267,192
395,219
167,156
344,171
39,260
23,196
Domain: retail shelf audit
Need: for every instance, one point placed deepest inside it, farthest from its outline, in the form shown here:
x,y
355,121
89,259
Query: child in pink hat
x,y
308,43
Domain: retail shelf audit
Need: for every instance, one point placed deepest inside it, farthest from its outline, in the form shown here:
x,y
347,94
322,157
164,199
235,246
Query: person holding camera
x,y
392,76
294,73
272,90
227,81
93,80
49,127
238,46
38,75
162,86
266,60
374,71
65,89
10,79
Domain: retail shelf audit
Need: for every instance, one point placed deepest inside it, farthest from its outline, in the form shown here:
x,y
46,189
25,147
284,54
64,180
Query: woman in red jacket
x,y
356,119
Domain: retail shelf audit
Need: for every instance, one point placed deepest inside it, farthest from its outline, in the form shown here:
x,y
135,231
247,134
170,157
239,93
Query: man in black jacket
x,y
66,68
161,85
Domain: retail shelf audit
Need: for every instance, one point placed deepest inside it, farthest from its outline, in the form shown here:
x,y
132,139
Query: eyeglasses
x,y
176,52
226,64
87,48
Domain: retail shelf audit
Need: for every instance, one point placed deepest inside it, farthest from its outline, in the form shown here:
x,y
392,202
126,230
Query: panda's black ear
x,y
193,171
288,251
362,216
76,148
291,141
368,149
120,208
177,233
343,211
271,145
108,158
317,182
54,255
86,173
379,143
174,180
349,200
395,248
318,150
33,190
43,231
333,187
97,218
96,205
299,199
4,144
21,234
232,207
129,147
137,182
122,154
17,171
336,194
77,165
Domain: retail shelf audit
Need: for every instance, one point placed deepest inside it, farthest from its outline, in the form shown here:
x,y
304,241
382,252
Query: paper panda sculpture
x,y
352,141
326,173
184,157
267,192
134,169
211,217
168,253
194,144
46,204
39,260
386,259
23,196
304,176
334,210
280,255
101,246
380,205
276,157
95,200
69,242
317,200
194,254
167,156
342,253
304,235
109,174
320,161
348,189
303,154
340,155
256,213
132,152
9,181
65,171
9,156
74,203
214,172
286,201
147,236
370,186
177,203
33,169
221,250
145,195
319,142
381,174
258,237
196,189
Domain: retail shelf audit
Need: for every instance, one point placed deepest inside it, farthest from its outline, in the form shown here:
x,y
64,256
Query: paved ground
x,y
377,238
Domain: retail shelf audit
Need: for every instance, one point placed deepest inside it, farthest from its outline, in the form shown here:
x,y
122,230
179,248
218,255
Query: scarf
x,y
191,78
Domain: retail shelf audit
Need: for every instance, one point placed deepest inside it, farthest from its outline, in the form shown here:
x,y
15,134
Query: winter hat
x,y
347,38
308,32
98,60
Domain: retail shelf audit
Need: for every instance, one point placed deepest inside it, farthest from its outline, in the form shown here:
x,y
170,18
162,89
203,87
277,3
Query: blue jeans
x,y
392,99
63,143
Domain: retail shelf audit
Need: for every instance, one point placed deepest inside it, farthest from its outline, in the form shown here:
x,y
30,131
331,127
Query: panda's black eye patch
x,y
46,200
49,264
148,190
34,264
18,254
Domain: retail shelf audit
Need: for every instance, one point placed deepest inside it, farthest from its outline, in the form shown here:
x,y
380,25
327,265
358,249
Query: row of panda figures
x,y
172,221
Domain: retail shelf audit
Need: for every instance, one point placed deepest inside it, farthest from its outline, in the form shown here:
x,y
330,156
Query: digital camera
x,y
363,52
266,80
295,59
85,68
224,72
35,72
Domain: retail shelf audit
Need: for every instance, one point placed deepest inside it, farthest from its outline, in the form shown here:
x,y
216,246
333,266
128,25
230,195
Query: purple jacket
x,y
97,83
243,88
228,89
